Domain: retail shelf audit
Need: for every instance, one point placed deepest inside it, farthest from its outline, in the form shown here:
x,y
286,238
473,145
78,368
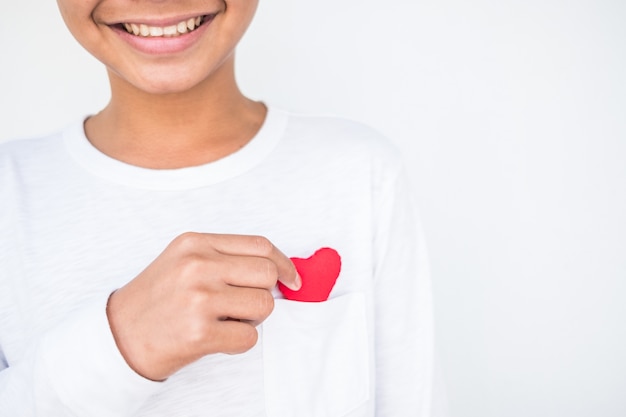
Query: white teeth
x,y
170,30
157,31
191,23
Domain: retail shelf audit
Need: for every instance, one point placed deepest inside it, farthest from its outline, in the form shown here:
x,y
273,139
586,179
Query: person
x,y
156,257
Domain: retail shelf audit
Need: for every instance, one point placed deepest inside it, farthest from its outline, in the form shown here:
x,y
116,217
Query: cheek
x,y
77,17
244,10
74,11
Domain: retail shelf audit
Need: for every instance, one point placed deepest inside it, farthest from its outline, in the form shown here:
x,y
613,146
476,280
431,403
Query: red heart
x,y
319,274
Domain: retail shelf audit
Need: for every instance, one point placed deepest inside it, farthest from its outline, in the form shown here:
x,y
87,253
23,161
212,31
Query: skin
x,y
205,293
170,111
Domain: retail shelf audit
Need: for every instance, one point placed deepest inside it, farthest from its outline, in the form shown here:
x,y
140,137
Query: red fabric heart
x,y
319,274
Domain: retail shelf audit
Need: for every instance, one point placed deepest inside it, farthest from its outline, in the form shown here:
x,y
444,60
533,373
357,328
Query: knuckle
x,y
191,269
248,337
196,333
265,304
271,273
263,244
187,242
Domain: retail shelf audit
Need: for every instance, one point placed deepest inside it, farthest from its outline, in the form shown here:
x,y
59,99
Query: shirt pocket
x,y
316,361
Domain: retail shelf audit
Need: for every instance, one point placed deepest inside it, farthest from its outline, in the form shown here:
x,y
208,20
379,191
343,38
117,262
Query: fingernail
x,y
297,283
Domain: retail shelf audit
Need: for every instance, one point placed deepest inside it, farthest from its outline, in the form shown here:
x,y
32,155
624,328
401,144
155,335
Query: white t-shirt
x,y
76,224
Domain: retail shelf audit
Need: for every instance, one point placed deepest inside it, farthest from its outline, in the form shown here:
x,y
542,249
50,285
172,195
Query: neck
x,y
166,131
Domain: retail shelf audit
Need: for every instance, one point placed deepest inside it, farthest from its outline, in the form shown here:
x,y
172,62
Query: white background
x,y
512,117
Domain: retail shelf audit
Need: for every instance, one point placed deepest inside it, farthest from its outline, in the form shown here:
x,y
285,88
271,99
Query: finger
x,y
248,271
234,337
245,304
258,246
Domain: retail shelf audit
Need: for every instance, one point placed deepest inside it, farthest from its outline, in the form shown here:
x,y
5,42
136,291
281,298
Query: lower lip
x,y
164,45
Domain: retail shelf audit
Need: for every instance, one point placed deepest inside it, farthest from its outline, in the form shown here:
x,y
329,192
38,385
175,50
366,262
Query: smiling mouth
x,y
178,29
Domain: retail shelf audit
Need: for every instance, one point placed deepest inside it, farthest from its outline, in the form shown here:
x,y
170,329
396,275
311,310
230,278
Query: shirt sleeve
x,y
75,369
403,302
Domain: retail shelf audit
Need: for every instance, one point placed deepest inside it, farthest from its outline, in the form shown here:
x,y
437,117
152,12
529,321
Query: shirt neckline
x,y
103,166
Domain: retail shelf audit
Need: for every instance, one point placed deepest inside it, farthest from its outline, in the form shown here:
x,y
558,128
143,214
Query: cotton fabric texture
x,y
76,224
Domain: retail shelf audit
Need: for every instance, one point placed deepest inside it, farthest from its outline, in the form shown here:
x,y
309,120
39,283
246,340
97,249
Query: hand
x,y
204,294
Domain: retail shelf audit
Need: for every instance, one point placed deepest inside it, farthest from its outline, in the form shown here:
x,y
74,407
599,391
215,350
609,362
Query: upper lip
x,y
160,21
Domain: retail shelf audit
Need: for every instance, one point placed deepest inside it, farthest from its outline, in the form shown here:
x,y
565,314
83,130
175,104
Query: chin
x,y
162,82
160,87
